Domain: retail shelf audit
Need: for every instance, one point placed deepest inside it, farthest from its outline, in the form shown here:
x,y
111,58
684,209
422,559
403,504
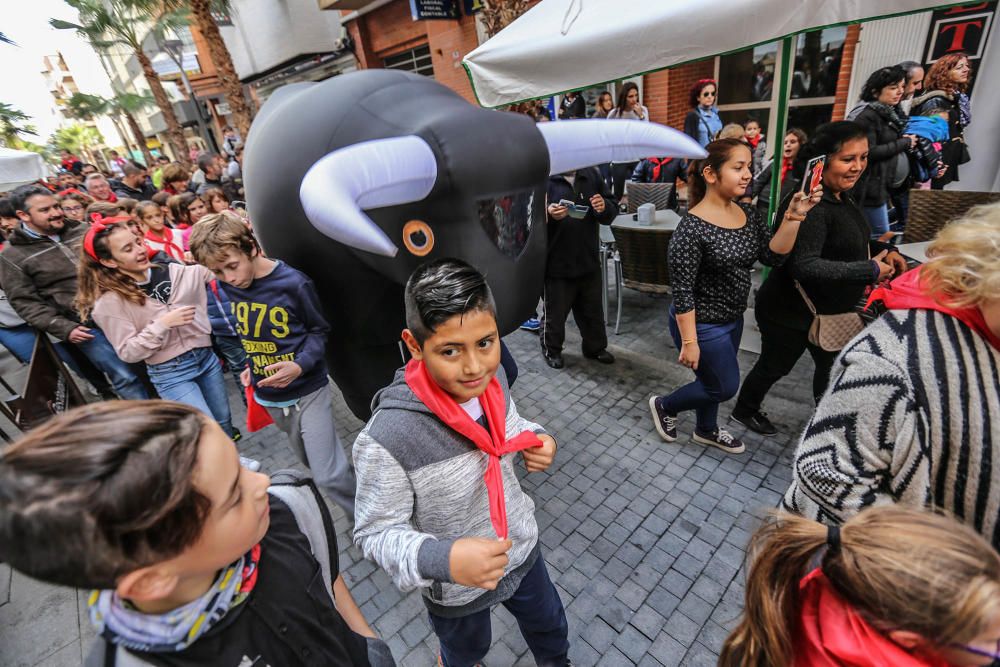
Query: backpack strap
x,y
312,516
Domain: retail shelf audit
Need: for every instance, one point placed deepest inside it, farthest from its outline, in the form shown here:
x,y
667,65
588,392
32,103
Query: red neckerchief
x,y
906,293
658,162
786,166
494,442
832,633
753,142
169,247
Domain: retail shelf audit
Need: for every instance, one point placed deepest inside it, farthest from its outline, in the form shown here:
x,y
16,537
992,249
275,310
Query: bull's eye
x,y
418,237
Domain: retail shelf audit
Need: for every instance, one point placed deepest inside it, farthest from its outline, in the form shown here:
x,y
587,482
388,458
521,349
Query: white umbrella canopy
x,y
562,45
20,168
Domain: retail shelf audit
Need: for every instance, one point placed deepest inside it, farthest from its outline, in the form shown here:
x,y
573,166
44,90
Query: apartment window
x,y
417,60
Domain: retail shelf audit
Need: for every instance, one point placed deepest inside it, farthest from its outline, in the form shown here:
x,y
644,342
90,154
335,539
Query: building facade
x,y
826,69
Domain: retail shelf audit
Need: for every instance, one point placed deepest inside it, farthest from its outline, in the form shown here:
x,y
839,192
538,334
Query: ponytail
x,y
900,568
718,153
782,550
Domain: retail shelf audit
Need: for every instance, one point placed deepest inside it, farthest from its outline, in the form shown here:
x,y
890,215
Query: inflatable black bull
x,y
359,179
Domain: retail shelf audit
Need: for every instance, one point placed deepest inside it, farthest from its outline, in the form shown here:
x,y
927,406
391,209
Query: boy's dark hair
x,y
20,196
879,79
7,208
101,491
441,289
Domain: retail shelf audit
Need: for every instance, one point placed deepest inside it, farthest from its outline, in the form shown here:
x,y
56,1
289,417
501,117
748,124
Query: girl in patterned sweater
x,y
710,257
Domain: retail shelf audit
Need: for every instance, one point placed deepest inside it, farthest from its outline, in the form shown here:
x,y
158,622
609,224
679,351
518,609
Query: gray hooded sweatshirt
x,y
421,487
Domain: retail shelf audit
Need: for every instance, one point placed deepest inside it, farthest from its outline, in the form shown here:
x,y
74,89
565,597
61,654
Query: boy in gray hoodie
x,y
424,510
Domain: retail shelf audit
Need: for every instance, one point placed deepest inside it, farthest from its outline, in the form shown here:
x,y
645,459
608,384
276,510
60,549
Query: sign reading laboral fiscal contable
x,y
423,10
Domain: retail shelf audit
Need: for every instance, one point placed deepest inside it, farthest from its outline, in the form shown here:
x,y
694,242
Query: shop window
x,y
808,117
817,63
747,76
417,60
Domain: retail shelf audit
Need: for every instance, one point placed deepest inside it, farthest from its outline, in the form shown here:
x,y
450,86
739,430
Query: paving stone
x,y
632,643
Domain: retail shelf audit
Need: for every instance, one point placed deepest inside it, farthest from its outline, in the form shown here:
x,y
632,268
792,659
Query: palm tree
x,y
13,126
78,139
201,16
84,107
107,23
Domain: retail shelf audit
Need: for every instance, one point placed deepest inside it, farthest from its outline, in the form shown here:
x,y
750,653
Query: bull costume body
x,y
359,179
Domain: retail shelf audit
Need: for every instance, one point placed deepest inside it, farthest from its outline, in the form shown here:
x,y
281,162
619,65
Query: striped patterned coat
x,y
911,415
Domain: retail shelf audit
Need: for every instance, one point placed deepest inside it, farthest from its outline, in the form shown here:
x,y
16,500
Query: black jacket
x,y
577,108
288,618
830,259
670,173
884,144
144,193
574,245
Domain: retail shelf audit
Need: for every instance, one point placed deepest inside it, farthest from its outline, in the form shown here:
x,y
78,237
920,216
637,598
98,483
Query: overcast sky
x,y
21,82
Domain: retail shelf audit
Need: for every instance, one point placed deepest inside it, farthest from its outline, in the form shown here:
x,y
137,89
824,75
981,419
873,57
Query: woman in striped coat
x,y
912,412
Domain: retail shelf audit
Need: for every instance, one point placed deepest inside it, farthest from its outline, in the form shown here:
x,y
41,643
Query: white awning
x,y
20,168
562,45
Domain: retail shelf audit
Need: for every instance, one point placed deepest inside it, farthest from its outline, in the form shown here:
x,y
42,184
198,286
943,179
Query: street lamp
x,y
174,49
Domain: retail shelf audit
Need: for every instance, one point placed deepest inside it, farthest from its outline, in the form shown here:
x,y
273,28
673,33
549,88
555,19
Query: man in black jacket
x,y
573,269
134,184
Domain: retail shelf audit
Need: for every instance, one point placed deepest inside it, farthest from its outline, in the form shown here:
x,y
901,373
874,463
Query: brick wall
x,y
450,42
840,103
681,80
656,94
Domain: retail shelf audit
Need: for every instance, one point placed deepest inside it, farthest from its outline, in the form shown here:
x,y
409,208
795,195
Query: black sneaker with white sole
x,y
666,423
720,438
755,421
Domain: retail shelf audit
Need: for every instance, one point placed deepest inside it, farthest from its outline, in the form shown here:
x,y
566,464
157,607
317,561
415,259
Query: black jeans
x,y
582,296
621,172
780,349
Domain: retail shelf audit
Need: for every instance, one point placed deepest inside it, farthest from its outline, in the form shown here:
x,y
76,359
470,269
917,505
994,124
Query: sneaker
x,y
603,356
666,424
440,662
237,436
531,324
756,422
554,360
720,438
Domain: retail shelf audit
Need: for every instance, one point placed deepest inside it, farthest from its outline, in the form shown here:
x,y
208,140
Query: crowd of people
x,y
886,552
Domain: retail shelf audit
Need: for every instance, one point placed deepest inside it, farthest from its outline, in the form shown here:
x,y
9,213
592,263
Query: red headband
x,y
101,224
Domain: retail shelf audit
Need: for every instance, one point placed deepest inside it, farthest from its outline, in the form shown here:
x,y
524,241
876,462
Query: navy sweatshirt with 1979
x,y
278,318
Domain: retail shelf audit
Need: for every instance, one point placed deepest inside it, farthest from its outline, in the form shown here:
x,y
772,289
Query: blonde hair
x,y
900,568
732,131
964,259
216,233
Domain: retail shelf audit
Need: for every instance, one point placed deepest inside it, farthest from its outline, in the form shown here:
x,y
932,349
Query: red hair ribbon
x,y
70,191
99,225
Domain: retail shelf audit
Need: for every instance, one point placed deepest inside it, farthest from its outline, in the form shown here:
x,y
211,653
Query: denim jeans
x,y
878,219
195,378
718,376
19,341
123,378
540,616
231,350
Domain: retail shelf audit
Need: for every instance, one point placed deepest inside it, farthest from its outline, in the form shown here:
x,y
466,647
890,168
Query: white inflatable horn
x,y
574,144
372,174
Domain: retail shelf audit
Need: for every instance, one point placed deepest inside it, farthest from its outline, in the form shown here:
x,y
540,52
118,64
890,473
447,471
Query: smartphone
x,y
575,211
814,174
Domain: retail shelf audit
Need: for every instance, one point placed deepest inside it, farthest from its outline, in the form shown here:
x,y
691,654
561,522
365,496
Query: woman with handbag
x,y
834,261
945,86
711,254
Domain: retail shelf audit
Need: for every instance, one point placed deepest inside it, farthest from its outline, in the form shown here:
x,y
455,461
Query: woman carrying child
x,y
153,313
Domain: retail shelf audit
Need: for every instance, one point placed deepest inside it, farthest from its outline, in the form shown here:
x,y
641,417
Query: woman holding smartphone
x,y
834,260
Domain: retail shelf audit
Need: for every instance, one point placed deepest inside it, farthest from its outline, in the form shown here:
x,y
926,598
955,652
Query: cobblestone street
x,y
644,539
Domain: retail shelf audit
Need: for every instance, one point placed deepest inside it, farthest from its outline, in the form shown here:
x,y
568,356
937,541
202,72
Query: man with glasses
x,y
38,271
